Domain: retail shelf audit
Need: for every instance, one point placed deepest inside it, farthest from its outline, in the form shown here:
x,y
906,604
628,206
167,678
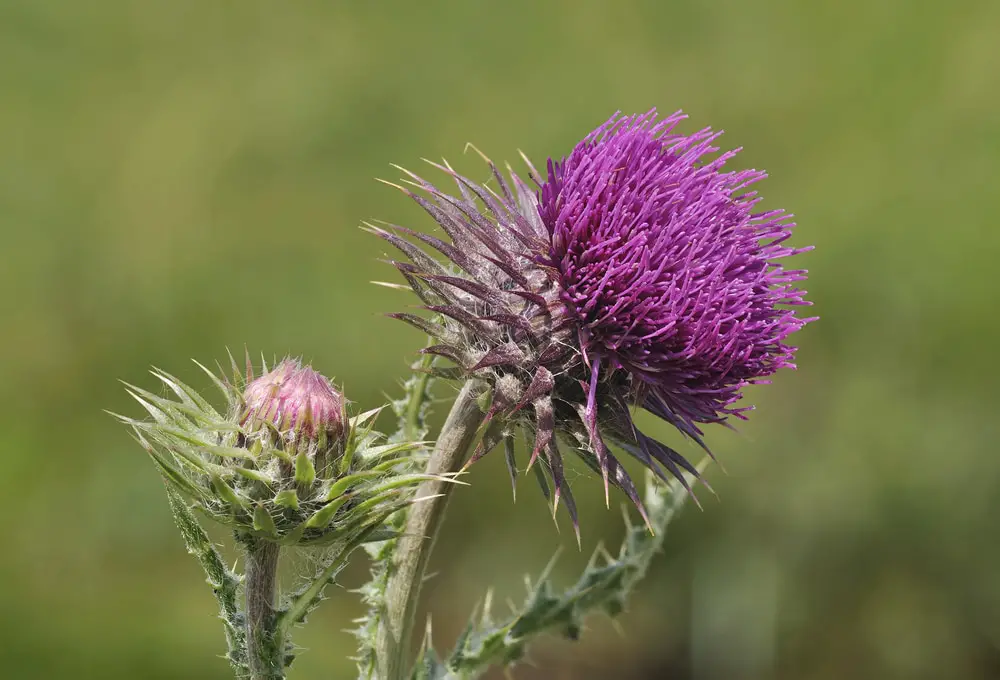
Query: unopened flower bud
x,y
282,462
301,406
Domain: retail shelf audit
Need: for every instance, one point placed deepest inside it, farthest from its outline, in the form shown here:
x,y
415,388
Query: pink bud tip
x,y
295,397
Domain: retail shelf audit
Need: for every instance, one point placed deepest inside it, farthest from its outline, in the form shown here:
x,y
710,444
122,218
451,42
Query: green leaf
x,y
374,501
604,586
225,584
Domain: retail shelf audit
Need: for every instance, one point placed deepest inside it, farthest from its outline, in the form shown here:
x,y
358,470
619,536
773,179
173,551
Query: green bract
x,y
283,479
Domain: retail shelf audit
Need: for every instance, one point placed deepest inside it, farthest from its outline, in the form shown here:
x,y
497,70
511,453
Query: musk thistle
x,y
636,273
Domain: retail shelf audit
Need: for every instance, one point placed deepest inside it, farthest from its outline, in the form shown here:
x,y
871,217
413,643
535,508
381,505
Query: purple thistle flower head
x,y
638,273
668,269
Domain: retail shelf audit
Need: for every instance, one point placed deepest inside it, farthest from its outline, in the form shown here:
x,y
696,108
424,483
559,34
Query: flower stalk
x,y
265,650
415,546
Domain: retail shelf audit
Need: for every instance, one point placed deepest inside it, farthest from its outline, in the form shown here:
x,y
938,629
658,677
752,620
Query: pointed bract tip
x,y
470,145
394,185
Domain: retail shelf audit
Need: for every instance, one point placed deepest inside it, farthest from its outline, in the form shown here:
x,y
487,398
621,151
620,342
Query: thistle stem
x,y
264,647
415,545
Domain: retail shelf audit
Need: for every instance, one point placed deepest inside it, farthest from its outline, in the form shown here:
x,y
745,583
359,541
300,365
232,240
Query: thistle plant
x,y
283,466
637,273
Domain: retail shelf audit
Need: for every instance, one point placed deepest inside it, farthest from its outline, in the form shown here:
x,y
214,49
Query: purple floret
x,y
670,272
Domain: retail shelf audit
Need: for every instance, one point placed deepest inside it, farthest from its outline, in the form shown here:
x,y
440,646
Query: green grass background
x,y
179,177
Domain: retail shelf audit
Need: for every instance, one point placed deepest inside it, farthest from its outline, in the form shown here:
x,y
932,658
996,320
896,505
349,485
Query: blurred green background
x,y
179,177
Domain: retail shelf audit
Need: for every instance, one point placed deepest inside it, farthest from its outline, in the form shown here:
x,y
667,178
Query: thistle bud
x,y
298,409
283,461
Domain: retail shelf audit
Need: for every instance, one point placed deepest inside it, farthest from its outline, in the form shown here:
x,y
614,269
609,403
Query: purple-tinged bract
x,y
637,273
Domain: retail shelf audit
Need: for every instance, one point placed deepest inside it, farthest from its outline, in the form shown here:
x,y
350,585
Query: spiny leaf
x,y
603,586
225,584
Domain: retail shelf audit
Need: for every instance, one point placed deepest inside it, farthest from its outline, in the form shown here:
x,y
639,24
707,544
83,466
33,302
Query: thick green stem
x,y
415,546
265,652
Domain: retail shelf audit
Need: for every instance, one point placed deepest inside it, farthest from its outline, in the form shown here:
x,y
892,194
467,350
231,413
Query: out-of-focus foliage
x,y
179,177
